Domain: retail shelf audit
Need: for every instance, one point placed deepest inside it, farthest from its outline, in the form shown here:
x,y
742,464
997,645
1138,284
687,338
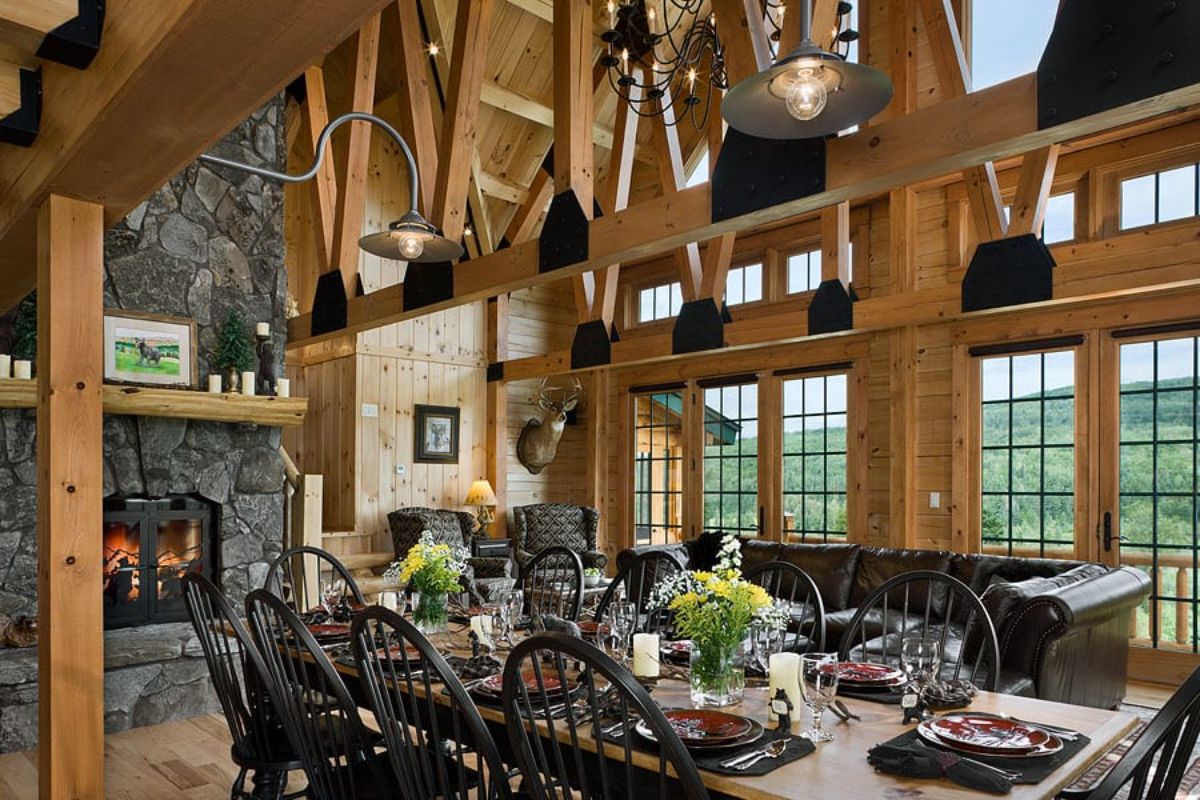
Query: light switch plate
x,y
935,499
370,410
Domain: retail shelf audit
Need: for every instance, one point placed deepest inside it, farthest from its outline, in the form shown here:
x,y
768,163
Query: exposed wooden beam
x,y
993,124
542,9
497,410
324,187
573,168
835,243
502,188
471,25
25,23
170,80
824,24
903,361
665,137
902,59
1033,191
10,88
416,107
524,222
902,239
482,229
70,419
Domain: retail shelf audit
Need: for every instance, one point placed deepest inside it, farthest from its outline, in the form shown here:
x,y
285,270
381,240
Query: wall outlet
x,y
935,499
401,469
370,410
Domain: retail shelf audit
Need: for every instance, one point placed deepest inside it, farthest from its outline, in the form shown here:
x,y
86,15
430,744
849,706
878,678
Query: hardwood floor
x,y
186,760
1151,695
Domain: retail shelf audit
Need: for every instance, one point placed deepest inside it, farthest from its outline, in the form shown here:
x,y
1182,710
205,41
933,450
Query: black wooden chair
x,y
1154,766
545,730
239,676
553,584
787,582
298,574
321,718
935,607
437,744
636,581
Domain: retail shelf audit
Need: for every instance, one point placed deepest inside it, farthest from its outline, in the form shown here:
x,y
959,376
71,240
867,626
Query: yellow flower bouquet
x,y
431,569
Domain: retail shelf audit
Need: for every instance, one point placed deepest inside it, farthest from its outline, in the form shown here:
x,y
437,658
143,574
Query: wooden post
x,y
307,527
70,266
497,411
573,105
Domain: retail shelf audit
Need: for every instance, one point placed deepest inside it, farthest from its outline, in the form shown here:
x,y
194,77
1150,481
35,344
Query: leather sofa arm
x,y
1056,637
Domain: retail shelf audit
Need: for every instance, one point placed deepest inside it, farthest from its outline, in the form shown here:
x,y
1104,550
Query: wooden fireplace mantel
x,y
282,412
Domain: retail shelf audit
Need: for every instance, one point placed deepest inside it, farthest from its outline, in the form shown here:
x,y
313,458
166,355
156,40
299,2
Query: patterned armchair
x,y
451,527
543,525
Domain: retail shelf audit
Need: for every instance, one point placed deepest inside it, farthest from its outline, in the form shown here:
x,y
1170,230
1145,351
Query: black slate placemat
x,y
1031,770
797,749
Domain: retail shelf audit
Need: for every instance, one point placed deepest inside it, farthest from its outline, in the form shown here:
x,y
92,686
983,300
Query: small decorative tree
x,y
25,329
235,353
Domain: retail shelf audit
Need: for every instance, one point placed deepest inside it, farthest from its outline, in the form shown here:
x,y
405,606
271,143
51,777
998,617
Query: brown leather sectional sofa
x,y
1063,626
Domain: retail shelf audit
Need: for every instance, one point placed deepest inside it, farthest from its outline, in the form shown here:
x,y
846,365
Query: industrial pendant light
x,y
411,238
809,92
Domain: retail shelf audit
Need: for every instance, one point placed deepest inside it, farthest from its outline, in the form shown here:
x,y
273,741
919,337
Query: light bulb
x,y
806,97
411,246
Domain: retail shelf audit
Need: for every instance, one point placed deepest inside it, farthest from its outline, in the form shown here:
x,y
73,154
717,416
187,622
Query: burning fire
x,y
179,552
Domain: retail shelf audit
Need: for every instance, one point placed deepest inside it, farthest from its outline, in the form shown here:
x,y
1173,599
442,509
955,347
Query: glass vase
x,y
717,675
429,612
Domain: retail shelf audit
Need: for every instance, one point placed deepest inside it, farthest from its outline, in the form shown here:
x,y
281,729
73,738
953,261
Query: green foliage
x,y
25,329
234,348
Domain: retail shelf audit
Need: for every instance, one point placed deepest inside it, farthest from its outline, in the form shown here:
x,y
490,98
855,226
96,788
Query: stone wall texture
x,y
209,241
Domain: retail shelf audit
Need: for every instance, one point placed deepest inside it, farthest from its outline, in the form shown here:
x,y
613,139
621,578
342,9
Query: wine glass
x,y
331,595
818,687
919,660
497,620
622,619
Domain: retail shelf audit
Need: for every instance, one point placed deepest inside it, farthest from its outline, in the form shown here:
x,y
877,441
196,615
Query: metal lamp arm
x,y
322,140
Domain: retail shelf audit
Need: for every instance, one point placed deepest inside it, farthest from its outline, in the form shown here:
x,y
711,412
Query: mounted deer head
x,y
538,444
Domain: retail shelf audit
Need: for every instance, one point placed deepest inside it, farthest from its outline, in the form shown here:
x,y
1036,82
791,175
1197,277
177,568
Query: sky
x,y
1008,37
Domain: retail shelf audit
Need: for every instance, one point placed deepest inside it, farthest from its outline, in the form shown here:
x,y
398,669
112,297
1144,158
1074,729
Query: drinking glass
x,y
331,595
499,617
514,604
622,618
919,660
818,687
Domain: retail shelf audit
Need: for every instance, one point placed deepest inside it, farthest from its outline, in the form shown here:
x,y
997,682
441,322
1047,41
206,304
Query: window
x,y
1028,443
660,302
731,458
1160,197
1059,223
700,172
1160,530
1007,38
814,457
804,272
658,467
744,285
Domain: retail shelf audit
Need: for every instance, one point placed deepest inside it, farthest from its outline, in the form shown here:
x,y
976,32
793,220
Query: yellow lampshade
x,y
480,494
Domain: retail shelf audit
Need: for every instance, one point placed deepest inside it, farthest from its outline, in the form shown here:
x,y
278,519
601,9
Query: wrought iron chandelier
x,y
664,58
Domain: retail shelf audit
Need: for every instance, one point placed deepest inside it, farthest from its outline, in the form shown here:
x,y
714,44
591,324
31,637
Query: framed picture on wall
x,y
149,349
436,439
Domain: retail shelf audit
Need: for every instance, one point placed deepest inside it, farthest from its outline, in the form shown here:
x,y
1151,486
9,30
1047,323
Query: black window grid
x,y
1157,179
1010,541
825,530
1160,551
730,460
662,438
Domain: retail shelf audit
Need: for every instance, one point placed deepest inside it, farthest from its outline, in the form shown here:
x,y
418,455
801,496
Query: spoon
x,y
773,750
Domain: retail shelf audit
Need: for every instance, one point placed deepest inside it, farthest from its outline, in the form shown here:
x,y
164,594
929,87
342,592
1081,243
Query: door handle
x,y
1108,533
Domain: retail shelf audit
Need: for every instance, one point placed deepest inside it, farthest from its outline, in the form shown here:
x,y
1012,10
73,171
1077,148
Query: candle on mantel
x,y
645,655
22,369
214,384
783,672
283,387
262,329
248,380
5,366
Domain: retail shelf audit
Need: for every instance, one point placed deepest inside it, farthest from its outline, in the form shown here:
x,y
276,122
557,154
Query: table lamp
x,y
483,498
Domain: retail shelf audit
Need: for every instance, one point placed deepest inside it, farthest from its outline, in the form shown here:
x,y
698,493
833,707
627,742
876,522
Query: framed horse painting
x,y
149,349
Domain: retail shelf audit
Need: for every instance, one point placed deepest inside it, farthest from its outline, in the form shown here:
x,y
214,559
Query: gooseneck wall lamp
x,y
808,93
410,238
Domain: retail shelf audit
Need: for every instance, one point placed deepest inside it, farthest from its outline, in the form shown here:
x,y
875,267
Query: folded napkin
x,y
914,759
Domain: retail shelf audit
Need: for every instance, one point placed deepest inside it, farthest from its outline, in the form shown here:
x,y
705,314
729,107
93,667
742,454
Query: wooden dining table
x,y
838,770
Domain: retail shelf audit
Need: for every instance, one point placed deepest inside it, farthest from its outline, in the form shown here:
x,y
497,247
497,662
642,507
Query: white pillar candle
x,y
283,387
22,369
783,672
248,383
5,366
645,655
214,384
262,329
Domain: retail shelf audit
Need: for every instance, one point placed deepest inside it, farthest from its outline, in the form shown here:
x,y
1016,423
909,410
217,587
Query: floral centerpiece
x,y
431,569
716,610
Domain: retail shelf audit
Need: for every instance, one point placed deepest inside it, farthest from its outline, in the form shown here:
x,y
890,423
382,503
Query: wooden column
x,y
416,107
497,411
835,243
573,106
70,419
902,378
598,434
770,457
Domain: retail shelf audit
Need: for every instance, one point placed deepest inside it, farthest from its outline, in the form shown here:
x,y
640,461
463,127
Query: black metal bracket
x,y
426,284
495,372
753,173
1008,272
1108,53
329,304
21,126
564,237
700,326
832,308
592,346
76,42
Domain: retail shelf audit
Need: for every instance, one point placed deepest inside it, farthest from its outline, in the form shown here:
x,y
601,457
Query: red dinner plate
x,y
495,684
328,630
410,653
989,735
861,673
678,649
704,727
592,628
